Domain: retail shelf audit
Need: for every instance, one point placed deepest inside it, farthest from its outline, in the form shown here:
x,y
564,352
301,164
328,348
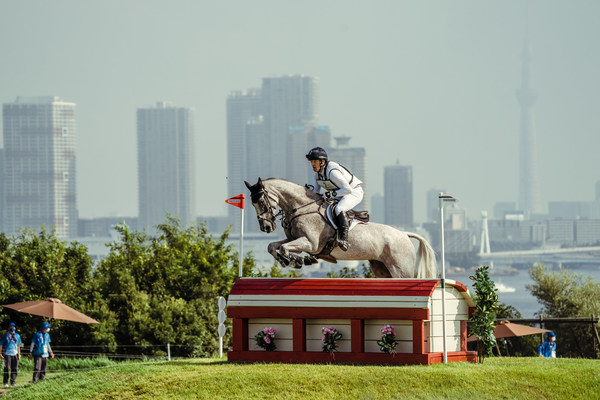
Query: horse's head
x,y
264,205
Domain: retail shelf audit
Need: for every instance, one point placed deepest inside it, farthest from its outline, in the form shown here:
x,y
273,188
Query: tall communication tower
x,y
485,235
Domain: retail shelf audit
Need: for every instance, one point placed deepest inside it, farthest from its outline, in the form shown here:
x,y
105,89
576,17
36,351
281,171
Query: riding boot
x,y
342,238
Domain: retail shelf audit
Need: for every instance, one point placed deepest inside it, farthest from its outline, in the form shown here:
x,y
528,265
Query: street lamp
x,y
443,199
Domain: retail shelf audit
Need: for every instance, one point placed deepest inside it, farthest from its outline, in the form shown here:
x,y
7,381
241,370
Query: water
x,y
520,298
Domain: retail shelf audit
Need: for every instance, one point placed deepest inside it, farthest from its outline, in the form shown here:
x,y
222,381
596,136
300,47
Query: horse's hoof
x,y
309,260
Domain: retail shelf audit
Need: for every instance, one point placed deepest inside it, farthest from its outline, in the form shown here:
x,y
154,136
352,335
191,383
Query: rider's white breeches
x,y
349,201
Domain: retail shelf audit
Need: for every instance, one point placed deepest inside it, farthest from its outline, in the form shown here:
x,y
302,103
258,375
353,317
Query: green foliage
x,y
348,272
330,339
151,289
483,319
164,288
38,265
275,272
565,294
388,342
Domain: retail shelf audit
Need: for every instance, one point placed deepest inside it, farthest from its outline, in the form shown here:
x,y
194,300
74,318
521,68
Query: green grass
x,y
497,378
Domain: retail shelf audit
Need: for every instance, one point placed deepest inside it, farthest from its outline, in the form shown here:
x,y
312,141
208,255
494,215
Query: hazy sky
x,y
427,83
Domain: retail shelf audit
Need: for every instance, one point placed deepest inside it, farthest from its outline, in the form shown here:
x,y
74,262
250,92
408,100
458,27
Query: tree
x,y
37,265
564,294
348,272
486,306
164,288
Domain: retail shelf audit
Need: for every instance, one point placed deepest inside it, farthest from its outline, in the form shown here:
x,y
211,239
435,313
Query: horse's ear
x,y
249,186
259,182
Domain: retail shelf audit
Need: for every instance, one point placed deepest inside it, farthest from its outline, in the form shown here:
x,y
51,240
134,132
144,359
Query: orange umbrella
x,y
508,329
51,308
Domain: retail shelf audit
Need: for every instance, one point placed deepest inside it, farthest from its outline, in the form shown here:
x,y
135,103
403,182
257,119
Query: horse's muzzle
x,y
267,226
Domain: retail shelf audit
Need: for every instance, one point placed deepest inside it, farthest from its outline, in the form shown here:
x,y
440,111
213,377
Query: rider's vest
x,y
325,182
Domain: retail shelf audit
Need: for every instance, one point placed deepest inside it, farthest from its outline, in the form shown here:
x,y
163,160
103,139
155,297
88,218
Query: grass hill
x,y
496,378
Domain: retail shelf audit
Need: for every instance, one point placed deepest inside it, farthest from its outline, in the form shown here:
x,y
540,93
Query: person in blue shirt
x,y
40,350
10,352
548,348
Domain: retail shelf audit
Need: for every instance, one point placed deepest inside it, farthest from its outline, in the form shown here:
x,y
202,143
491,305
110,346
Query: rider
x,y
338,182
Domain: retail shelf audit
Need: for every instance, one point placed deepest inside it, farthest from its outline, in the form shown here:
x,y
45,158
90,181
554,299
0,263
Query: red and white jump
x,y
299,308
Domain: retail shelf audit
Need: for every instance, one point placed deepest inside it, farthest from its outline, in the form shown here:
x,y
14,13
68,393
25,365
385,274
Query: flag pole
x,y
442,198
441,201
241,244
239,202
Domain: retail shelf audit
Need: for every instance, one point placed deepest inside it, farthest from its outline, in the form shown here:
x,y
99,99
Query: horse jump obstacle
x,y
358,308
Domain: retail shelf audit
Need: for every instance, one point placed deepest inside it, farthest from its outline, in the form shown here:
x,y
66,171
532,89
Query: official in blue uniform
x,y
10,352
548,348
40,350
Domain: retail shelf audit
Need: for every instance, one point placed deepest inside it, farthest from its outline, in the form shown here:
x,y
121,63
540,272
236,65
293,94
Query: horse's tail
x,y
427,267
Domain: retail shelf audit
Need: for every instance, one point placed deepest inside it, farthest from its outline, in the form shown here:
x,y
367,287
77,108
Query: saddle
x,y
354,218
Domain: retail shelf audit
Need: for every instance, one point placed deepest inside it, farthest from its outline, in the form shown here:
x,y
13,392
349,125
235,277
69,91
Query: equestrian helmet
x,y
45,325
317,153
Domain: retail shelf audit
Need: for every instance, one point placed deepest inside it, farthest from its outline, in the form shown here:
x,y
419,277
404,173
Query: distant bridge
x,y
558,257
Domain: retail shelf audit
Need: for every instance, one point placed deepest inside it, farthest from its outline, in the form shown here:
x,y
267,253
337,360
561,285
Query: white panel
x,y
451,293
314,335
403,329
404,346
452,344
453,307
452,328
283,336
328,301
281,344
344,345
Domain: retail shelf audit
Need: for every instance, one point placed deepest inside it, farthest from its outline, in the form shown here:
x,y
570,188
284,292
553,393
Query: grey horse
x,y
389,251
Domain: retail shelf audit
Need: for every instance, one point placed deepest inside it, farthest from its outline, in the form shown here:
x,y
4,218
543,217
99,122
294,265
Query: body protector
x,y
340,184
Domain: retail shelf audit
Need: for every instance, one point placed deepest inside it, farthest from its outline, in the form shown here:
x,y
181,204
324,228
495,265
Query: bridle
x,y
264,210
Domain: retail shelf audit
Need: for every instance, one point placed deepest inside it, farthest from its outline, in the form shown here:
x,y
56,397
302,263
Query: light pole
x,y
442,198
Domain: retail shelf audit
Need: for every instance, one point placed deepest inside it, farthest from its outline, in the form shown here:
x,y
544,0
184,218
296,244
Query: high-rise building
x,y
398,195
529,187
39,165
287,101
355,159
300,141
165,164
245,140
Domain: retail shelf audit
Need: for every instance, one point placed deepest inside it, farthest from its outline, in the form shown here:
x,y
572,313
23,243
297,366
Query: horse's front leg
x,y
299,245
272,249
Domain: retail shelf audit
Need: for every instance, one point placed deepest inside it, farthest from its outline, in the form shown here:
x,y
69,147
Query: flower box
x,y
298,308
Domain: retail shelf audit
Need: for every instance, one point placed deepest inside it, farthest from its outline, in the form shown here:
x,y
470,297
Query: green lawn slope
x,y
497,378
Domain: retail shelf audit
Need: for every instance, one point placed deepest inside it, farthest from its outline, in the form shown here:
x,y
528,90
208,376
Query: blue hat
x,y
551,334
45,325
11,324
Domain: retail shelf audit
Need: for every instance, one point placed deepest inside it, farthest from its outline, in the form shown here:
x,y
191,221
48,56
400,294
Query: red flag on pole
x,y
237,201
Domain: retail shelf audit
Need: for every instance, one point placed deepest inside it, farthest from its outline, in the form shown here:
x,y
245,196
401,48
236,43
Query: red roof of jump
x,y
339,287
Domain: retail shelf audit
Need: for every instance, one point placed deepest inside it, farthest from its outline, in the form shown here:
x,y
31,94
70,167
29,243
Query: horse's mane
x,y
296,187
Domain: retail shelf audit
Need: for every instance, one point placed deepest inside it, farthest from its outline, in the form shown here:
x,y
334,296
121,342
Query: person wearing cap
x,y
339,183
10,352
548,348
40,350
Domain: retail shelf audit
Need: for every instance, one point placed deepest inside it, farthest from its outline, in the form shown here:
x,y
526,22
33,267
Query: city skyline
x,y
430,84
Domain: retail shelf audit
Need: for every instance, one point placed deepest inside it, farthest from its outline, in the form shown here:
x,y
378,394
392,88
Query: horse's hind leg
x,y
379,270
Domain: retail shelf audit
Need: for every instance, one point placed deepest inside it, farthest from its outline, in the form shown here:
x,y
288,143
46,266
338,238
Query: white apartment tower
x,y
165,136
39,165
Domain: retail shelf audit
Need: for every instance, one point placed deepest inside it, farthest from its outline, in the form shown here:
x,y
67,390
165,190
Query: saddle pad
x,y
331,218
